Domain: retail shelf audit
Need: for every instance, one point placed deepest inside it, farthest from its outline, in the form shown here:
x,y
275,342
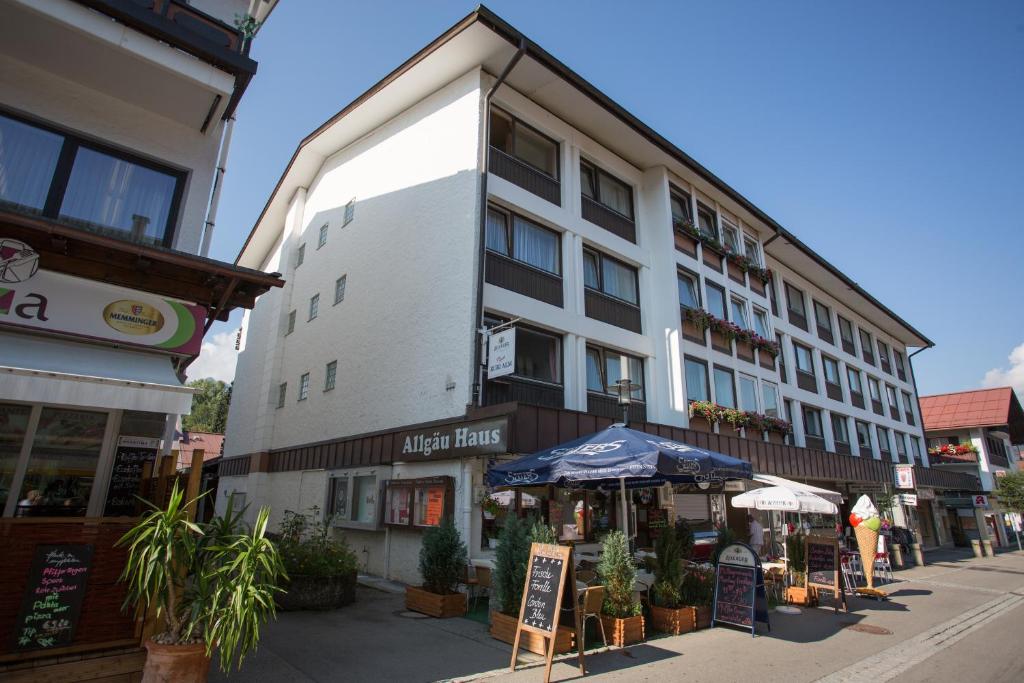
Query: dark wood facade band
x,y
518,277
613,222
525,176
234,467
610,310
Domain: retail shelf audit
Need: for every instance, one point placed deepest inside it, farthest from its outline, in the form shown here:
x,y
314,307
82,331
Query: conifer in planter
x,y
621,613
668,612
796,556
442,565
322,570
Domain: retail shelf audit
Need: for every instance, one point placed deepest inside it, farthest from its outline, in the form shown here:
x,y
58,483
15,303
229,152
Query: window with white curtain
x,y
512,235
610,276
605,367
603,188
748,393
725,392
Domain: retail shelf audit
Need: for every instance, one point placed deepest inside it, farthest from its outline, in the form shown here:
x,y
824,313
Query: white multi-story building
x,y
115,119
481,183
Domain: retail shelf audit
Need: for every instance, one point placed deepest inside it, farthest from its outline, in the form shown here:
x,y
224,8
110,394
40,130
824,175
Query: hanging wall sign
x,y
904,476
501,353
57,581
41,299
453,440
740,599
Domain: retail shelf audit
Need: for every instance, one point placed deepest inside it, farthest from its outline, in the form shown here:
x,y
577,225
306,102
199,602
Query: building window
x,y
795,306
689,296
350,212
524,241
748,393
304,386
812,423
610,276
854,378
46,172
865,348
753,253
706,223
538,354
291,322
770,399
783,375
314,306
715,300
300,255
282,392
338,498
908,407
739,312
901,368
894,405
804,358
606,190
863,437
883,356
520,141
330,375
901,446
606,367
874,389
725,392
831,368
732,236
682,210
846,335
883,438
761,323
323,236
915,447
823,319
839,429
696,380
339,289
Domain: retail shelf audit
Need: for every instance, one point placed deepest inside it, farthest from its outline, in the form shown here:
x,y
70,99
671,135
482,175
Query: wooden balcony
x,y
525,176
612,311
603,405
513,389
516,276
612,221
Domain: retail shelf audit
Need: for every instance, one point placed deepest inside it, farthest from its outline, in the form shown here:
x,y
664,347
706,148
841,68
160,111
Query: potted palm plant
x,y
213,585
442,566
621,613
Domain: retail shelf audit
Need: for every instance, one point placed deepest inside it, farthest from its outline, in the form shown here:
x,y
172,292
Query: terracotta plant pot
x,y
434,604
175,663
703,616
622,632
503,628
674,621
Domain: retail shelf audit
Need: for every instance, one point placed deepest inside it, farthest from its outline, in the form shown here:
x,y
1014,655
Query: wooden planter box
x,y
503,628
712,258
726,429
766,359
757,285
622,632
720,343
797,596
700,424
775,437
736,273
745,351
674,621
686,244
703,616
693,333
433,604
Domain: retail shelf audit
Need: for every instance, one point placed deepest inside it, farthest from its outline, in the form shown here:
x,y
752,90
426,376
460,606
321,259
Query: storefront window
x,y
399,507
337,498
62,466
570,515
13,425
364,499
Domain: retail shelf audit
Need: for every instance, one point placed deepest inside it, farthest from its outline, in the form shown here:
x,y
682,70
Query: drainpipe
x,y
218,184
478,386
917,397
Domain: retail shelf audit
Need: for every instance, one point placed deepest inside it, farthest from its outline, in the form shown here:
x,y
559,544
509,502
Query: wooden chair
x,y
590,606
483,582
774,583
470,581
587,576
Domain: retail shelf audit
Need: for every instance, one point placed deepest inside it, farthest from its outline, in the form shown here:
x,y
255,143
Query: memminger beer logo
x,y
133,317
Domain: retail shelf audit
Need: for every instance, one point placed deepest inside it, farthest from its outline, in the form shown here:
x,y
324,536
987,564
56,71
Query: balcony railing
x,y
525,176
526,280
611,221
608,406
612,311
512,389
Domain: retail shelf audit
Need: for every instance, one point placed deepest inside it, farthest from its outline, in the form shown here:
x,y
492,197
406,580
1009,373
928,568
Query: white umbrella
x,y
782,498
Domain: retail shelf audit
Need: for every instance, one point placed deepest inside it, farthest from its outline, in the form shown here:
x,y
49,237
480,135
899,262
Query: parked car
x,y
704,545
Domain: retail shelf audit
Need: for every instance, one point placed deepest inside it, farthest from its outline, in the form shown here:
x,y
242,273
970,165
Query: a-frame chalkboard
x,y
740,598
823,568
549,575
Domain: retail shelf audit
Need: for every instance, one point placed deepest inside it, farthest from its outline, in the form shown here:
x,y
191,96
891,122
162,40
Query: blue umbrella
x,y
615,454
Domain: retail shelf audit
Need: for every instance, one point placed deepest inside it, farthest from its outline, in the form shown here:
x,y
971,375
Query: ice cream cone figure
x,y
866,525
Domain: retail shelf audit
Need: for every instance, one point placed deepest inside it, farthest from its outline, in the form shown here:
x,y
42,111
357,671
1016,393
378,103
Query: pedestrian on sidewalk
x,y
756,534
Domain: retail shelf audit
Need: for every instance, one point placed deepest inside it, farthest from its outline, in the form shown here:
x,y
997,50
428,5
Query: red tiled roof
x,y
191,441
981,408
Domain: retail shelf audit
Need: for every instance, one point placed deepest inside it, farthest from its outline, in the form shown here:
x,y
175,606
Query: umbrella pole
x,y
624,506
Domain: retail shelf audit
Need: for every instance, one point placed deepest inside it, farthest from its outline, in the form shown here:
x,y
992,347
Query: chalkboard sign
x,y
550,582
740,599
53,600
130,459
823,567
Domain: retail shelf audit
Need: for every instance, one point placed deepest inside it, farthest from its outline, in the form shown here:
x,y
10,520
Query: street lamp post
x,y
625,389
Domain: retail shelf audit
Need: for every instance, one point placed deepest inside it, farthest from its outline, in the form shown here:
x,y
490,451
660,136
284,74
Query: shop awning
x,y
772,480
39,370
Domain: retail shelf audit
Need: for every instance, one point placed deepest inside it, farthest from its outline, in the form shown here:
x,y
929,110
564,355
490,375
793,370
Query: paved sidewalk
x,y
375,640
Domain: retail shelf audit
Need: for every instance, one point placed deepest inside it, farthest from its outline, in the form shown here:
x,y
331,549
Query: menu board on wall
x,y
57,581
130,459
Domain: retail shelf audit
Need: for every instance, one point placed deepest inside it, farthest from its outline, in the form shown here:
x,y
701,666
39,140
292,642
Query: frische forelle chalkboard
x,y
542,598
57,581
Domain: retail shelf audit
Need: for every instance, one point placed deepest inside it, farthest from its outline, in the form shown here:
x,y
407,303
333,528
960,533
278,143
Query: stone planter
x,y
622,632
686,243
674,621
434,604
185,663
503,628
305,592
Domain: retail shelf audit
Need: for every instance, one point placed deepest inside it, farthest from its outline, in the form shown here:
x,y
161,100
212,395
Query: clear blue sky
x,y
889,136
